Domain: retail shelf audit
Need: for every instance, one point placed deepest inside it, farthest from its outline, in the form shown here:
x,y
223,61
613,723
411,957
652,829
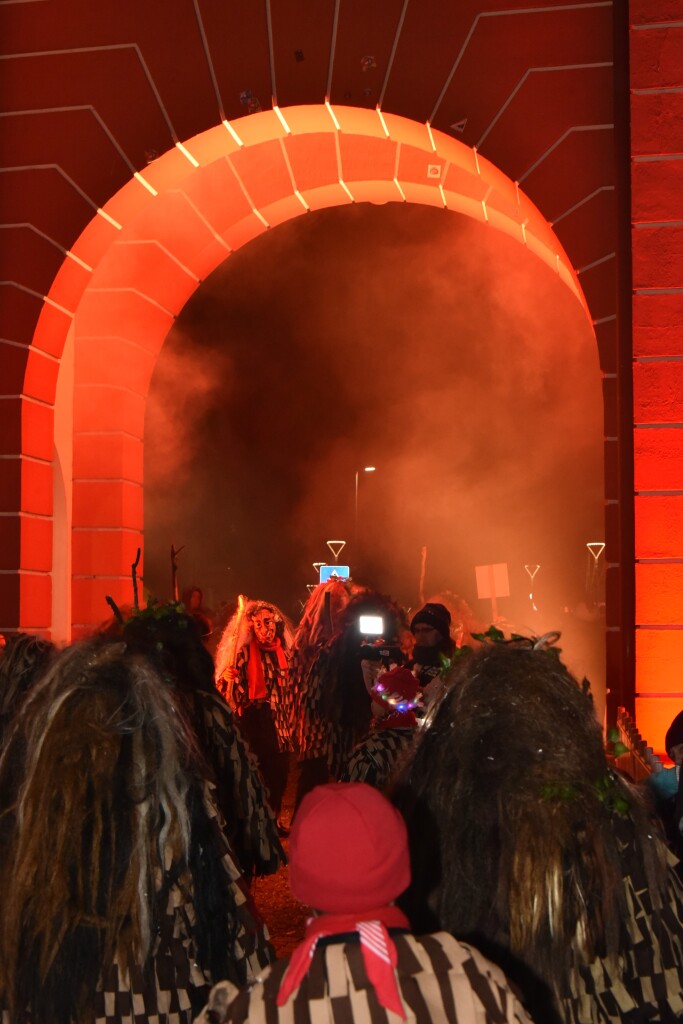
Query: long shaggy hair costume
x,y
333,704
171,639
101,879
523,839
22,662
321,618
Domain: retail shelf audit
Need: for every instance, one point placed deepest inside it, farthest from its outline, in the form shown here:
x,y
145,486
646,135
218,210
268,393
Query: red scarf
x,y
255,677
379,952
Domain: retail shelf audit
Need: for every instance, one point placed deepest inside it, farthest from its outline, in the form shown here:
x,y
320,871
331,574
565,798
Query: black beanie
x,y
674,734
435,615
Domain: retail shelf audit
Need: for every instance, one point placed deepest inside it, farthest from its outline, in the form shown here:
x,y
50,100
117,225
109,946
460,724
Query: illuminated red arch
x,y
133,269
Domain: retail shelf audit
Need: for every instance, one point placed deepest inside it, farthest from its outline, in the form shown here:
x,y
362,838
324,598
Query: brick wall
x,y
656,73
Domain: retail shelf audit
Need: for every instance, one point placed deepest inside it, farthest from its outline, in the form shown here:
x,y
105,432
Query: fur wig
x,y
332,704
22,662
98,825
171,639
517,824
237,633
319,622
322,614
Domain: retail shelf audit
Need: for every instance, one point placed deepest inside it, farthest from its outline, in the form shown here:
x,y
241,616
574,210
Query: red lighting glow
x,y
163,233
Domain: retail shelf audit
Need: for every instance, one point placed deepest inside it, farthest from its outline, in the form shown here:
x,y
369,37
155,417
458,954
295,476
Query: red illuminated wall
x,y
656,46
26,454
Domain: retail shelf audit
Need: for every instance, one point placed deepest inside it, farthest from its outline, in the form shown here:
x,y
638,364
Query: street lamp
x,y
366,469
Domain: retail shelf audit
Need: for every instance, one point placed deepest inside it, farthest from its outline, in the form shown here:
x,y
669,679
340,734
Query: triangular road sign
x,y
335,547
532,570
596,548
459,126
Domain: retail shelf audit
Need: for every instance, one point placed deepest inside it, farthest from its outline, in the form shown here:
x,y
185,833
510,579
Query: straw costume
x,y
122,897
527,844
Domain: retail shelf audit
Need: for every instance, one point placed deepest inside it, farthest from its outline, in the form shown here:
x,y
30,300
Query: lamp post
x,y
366,469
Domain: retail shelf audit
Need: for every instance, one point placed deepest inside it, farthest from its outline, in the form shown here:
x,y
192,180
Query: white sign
x,y
492,580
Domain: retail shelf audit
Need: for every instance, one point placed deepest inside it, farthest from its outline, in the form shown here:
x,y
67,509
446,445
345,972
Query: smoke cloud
x,y
403,337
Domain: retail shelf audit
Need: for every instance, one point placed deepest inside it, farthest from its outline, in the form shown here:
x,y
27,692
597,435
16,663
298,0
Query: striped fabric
x,y
313,732
647,982
320,733
240,792
278,689
439,979
172,986
375,759
252,949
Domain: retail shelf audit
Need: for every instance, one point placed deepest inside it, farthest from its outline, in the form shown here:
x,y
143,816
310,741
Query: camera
x,y
388,654
373,646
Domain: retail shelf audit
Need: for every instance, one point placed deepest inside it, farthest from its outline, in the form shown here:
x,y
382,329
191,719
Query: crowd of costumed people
x,y
438,795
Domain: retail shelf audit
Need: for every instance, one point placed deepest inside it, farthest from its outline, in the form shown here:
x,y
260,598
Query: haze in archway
x,y
404,337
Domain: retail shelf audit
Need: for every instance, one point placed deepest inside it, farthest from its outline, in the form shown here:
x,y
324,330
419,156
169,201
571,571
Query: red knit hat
x,y
348,849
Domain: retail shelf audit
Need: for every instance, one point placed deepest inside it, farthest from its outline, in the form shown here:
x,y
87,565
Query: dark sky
x,y
405,337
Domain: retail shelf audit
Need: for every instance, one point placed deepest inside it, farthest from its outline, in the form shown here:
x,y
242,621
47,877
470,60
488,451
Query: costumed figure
x,y
434,646
526,843
333,702
395,697
319,622
171,639
666,789
192,600
463,622
121,898
358,961
252,671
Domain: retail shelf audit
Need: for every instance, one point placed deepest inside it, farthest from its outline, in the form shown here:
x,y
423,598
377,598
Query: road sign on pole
x,y
335,547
